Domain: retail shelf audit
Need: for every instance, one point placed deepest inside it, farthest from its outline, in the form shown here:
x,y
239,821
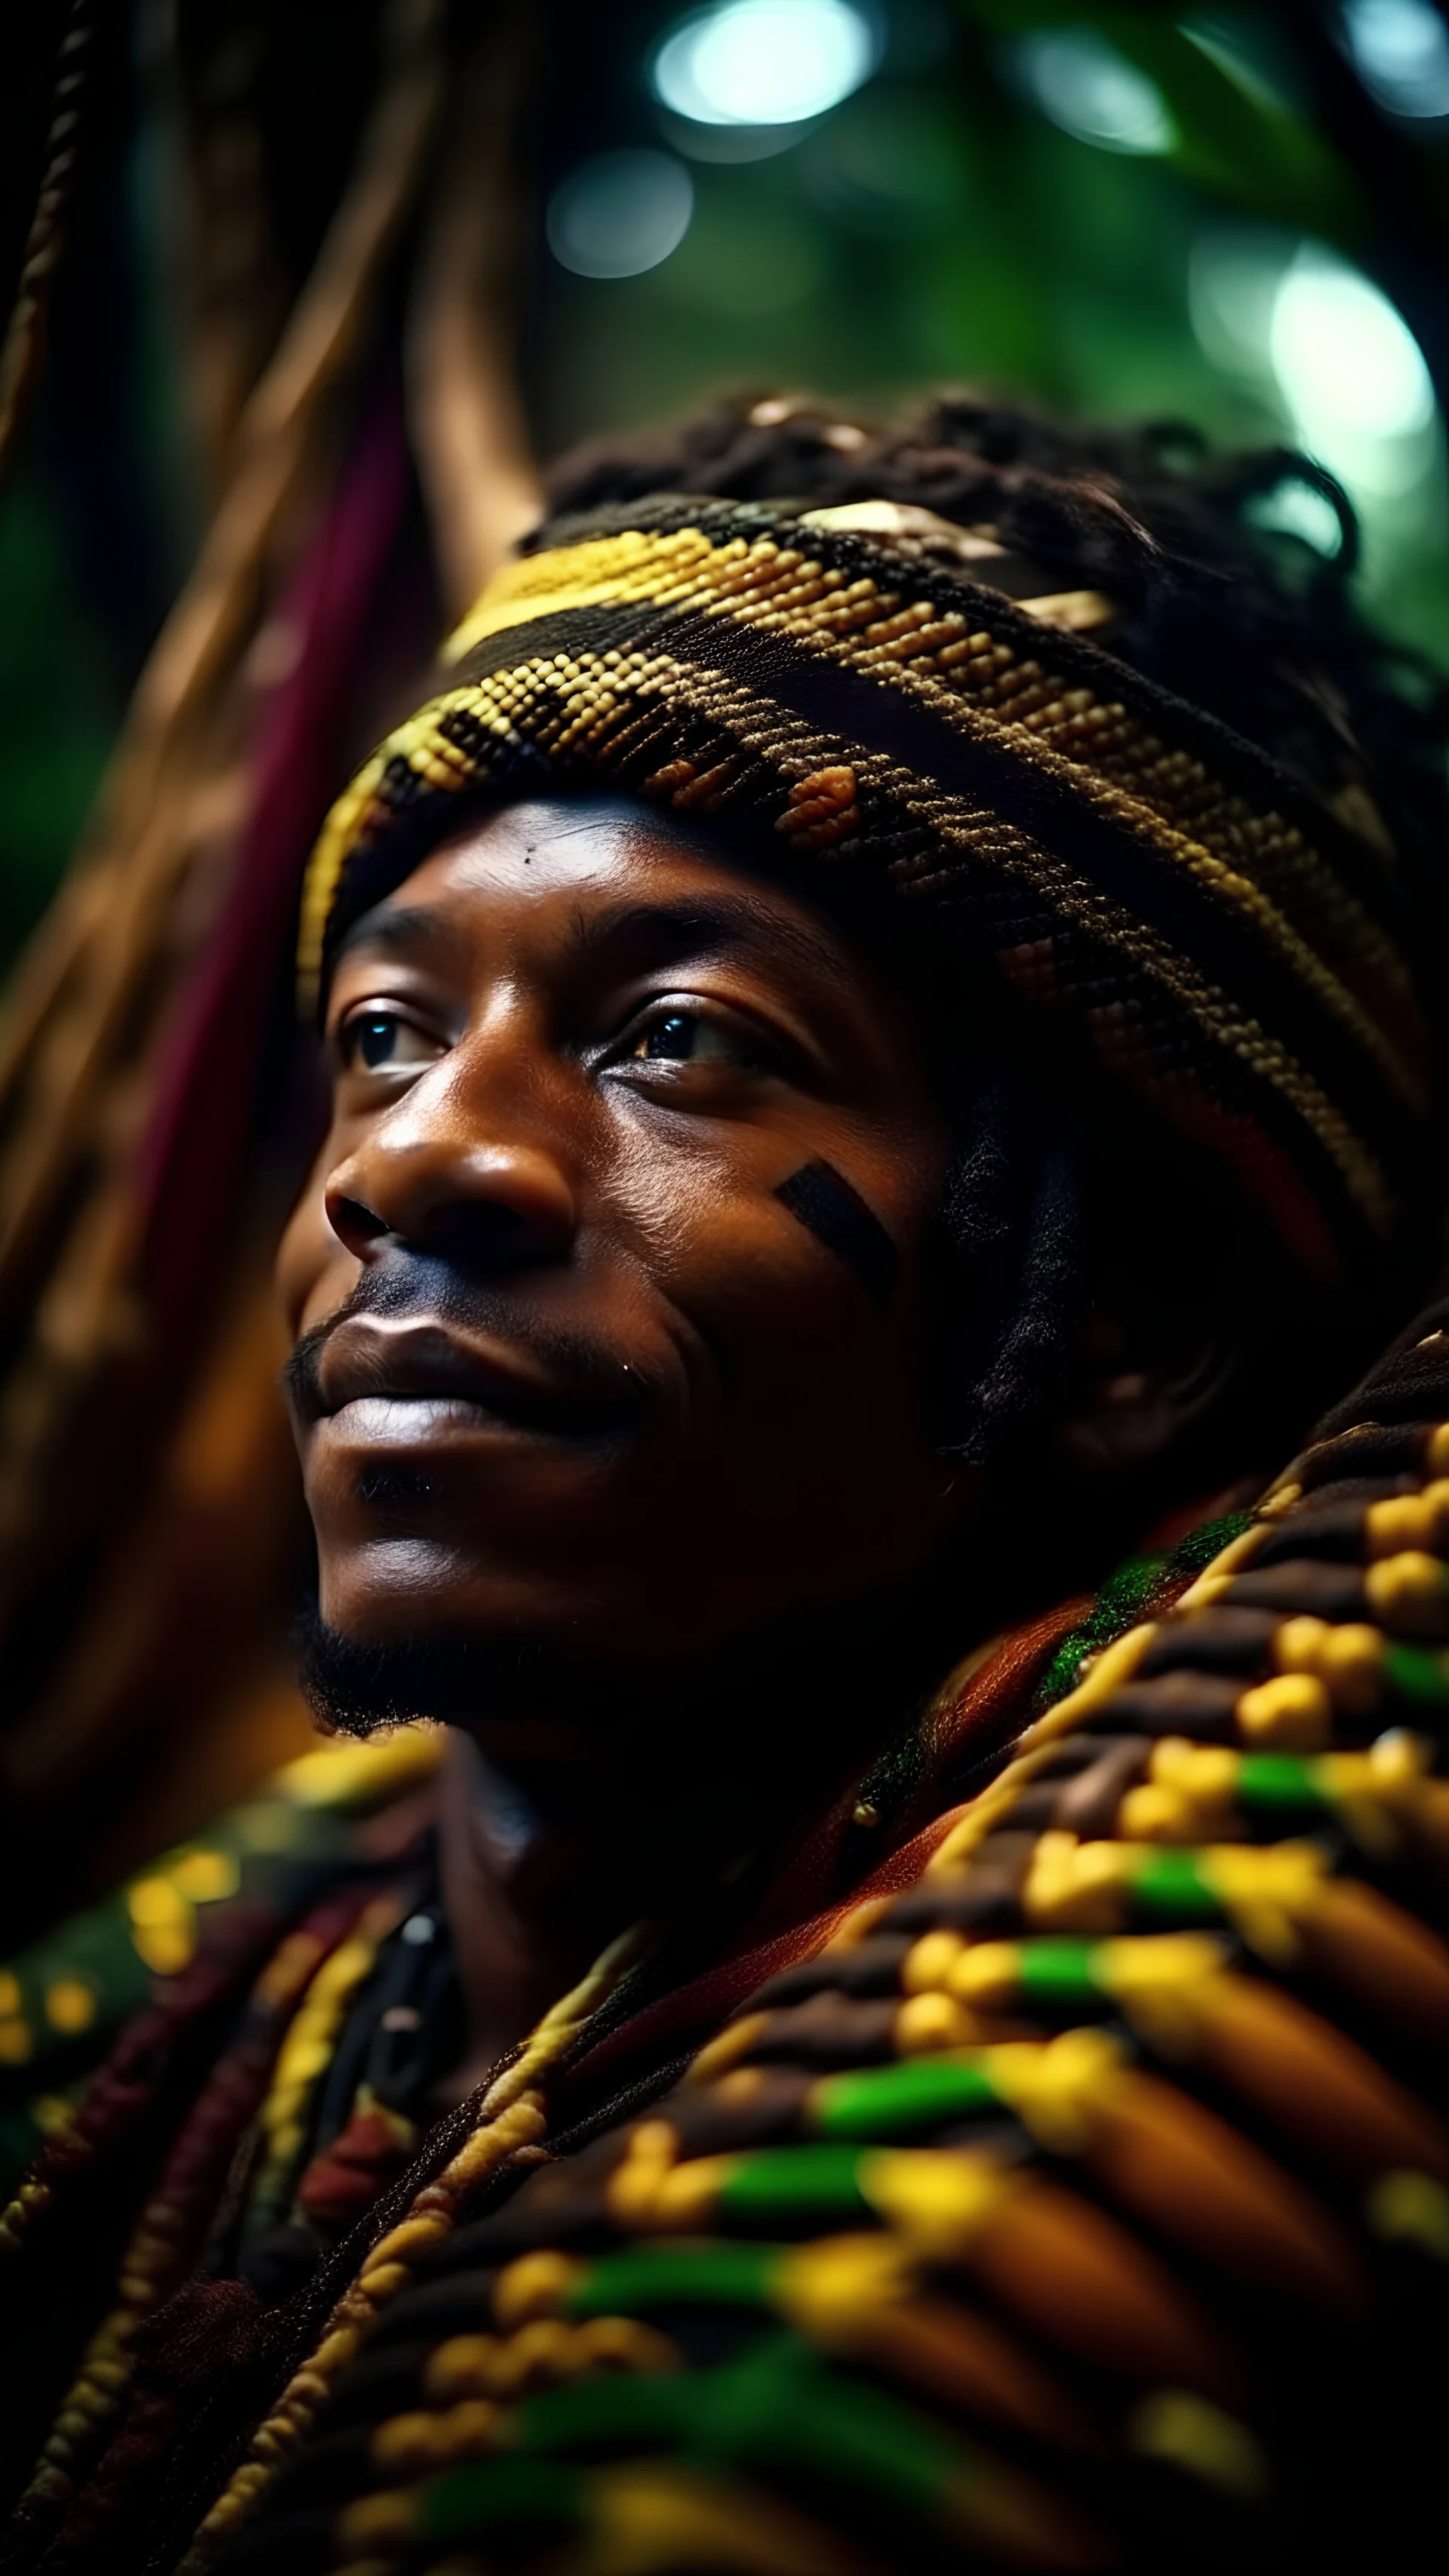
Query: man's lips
x,y
406,1380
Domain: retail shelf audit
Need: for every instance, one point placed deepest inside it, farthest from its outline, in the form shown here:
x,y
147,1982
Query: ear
x,y
1132,1396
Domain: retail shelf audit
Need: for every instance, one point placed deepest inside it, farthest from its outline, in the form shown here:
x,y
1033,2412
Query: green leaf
x,y
1232,136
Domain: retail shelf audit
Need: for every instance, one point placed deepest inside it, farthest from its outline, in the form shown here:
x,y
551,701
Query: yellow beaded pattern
x,y
165,1907
980,680
509,2123
155,2262
650,604
875,2299
601,693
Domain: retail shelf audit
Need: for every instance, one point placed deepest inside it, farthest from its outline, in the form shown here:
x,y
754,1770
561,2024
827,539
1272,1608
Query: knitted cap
x,y
857,684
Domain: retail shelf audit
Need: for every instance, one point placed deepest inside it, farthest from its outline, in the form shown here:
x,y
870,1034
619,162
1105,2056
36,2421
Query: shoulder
x,y
223,1898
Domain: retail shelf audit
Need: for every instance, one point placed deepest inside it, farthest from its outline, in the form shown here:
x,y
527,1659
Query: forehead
x,y
542,843
546,862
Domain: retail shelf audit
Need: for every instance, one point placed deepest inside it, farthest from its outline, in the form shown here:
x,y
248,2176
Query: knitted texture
x,y
1078,2202
1187,915
1068,2189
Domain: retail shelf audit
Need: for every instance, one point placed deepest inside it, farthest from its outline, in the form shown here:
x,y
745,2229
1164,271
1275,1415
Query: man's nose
x,y
458,1170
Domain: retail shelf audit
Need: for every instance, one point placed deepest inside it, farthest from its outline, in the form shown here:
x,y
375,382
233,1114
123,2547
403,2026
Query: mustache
x,y
432,1291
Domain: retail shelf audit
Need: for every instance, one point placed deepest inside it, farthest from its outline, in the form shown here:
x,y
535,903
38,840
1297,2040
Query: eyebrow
x,y
707,922
665,929
397,926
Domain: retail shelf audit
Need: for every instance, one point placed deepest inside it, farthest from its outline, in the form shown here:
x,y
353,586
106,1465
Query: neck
x,y
670,1805
504,1868
550,1847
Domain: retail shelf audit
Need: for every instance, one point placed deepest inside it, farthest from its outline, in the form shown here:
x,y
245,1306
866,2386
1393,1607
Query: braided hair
x,y
1246,621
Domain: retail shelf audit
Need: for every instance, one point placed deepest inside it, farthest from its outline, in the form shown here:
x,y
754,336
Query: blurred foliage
x,y
1233,130
57,707
916,235
936,225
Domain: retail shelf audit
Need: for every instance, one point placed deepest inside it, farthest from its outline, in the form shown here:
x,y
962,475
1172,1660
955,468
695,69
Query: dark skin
x,y
579,1389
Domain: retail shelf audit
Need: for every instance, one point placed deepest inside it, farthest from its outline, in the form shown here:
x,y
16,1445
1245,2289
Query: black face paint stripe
x,y
833,1211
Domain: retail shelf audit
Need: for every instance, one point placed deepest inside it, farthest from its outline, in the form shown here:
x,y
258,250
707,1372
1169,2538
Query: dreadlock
x,y
1012,1212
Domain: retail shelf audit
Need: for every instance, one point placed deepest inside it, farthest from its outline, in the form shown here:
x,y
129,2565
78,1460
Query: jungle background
x,y
300,291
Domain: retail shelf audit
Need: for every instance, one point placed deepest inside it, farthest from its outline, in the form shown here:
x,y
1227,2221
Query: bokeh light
x,y
1092,92
1296,510
1332,360
1400,50
1234,276
1351,373
620,213
764,62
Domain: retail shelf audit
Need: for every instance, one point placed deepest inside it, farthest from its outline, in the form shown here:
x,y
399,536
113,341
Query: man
x,y
852,1099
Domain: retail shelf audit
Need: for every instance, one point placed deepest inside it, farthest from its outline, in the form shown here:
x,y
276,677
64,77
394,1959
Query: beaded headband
x,y
860,684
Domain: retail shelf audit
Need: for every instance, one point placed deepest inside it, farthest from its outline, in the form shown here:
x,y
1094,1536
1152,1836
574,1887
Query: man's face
x,y
574,1374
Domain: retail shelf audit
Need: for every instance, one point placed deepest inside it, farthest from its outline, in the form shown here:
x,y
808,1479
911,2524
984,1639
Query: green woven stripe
x,y
1140,1587
791,2412
787,2183
1170,1885
494,2491
593,2412
1058,1972
657,2276
775,2407
1275,1780
1419,1674
894,2101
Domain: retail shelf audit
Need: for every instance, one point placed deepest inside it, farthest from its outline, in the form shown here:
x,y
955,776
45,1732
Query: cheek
x,y
811,1370
719,1233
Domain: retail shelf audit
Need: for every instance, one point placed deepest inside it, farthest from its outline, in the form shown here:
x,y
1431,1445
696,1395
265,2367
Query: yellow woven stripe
x,y
1219,1019
599,693
438,763
955,820
974,681
324,869
901,650
1130,814
599,573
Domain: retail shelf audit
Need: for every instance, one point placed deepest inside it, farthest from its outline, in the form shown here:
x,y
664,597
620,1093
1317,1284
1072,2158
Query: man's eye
x,y
691,1037
384,1042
